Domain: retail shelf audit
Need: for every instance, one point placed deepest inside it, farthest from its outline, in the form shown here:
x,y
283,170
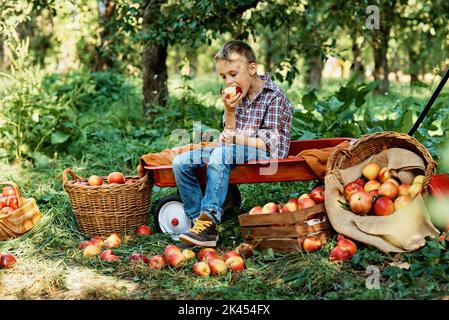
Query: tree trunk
x,y
413,67
103,57
357,66
154,60
315,67
268,53
381,68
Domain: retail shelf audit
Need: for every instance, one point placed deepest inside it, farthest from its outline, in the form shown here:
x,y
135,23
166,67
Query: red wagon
x,y
169,213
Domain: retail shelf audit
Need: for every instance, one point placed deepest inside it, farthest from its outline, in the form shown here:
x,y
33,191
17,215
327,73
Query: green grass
x,y
51,266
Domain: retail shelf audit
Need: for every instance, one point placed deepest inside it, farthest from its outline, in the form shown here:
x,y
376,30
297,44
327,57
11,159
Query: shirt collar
x,y
268,84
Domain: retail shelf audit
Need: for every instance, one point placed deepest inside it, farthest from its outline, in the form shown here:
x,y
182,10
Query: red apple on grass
x,y
360,202
245,250
91,251
175,259
217,267
317,194
138,257
188,254
235,263
209,256
108,256
97,241
144,230
158,262
7,260
347,244
86,243
230,254
201,268
113,241
312,244
171,248
203,251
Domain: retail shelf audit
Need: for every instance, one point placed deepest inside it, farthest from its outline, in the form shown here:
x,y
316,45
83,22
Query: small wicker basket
x,y
102,210
372,144
21,220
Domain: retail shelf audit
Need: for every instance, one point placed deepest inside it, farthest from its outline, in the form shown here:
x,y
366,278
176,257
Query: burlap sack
x,y
404,230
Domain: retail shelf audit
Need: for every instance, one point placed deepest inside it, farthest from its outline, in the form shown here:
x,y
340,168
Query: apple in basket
x,y
270,207
116,177
7,260
6,210
305,203
113,241
360,202
9,191
317,194
290,207
384,206
351,188
94,181
371,171
255,210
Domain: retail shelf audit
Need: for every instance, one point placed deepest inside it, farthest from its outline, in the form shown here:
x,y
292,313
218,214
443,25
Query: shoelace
x,y
200,225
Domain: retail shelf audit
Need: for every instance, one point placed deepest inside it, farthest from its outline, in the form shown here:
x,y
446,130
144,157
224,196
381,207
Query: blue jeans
x,y
220,160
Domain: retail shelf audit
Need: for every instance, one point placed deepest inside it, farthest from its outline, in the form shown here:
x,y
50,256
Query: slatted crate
x,y
285,232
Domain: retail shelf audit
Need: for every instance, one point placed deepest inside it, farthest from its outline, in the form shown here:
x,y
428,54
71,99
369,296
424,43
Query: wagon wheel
x,y
169,215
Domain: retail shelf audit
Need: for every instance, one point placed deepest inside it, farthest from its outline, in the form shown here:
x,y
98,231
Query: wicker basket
x,y
372,144
21,220
102,210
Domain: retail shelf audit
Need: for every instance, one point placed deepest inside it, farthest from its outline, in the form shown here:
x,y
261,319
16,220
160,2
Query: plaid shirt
x,y
268,116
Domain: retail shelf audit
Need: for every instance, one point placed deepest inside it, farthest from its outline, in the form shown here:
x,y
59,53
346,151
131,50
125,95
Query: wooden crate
x,y
285,232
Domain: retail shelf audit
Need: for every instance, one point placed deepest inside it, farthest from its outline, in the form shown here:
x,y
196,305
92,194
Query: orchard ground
x,y
50,264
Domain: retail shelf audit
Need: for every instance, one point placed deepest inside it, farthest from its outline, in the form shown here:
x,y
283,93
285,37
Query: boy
x,y
257,124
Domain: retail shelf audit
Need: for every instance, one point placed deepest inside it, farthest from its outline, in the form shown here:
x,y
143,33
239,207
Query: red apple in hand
x,y
231,92
317,194
360,202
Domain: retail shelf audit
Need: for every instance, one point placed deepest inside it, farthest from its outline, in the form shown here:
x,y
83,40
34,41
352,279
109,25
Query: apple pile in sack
x,y
376,219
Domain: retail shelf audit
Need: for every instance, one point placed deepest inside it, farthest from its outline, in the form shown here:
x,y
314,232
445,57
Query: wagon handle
x,y
429,103
17,191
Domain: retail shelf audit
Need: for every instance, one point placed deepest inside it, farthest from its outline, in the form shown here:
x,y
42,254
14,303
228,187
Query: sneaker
x,y
203,233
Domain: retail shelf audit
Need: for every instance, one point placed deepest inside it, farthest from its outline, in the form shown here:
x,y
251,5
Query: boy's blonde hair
x,y
236,46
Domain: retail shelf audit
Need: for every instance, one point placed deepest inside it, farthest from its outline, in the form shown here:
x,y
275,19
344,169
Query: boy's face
x,y
237,72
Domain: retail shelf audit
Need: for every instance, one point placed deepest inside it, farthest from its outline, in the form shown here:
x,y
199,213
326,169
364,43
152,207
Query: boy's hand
x,y
227,136
231,103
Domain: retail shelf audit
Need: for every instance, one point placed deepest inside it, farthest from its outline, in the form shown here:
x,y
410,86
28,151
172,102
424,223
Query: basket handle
x,y
73,174
16,189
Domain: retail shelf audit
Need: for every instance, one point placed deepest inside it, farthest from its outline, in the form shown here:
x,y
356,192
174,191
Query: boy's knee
x,y
221,155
